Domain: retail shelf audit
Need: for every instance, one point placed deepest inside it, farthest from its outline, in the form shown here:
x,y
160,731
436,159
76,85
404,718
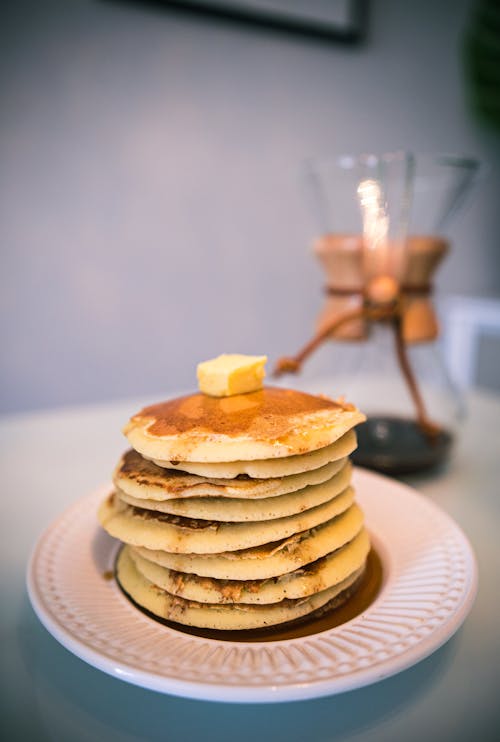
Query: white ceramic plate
x,y
430,581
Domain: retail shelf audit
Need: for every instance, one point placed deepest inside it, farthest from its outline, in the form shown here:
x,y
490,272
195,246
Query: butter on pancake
x,y
231,374
236,616
234,510
139,478
301,583
270,560
265,424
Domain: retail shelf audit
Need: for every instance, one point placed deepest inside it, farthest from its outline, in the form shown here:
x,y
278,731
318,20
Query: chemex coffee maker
x,y
382,219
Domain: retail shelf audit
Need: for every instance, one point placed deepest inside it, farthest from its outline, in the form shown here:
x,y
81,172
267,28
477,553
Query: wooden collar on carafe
x,y
353,305
341,256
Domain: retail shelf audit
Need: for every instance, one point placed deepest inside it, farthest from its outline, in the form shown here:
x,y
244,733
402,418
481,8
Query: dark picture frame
x,y
338,20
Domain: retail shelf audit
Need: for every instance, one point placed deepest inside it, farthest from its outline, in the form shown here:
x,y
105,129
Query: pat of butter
x,y
231,374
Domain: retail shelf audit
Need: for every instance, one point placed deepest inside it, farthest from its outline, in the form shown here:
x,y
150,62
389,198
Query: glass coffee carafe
x,y
382,222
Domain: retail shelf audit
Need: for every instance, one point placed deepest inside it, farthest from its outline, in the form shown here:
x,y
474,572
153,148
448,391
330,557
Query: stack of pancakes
x,y
237,512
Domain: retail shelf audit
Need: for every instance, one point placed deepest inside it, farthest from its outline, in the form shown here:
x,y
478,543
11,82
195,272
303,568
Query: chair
x,y
471,326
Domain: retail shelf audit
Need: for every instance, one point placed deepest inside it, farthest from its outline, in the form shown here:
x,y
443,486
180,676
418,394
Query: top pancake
x,y
269,423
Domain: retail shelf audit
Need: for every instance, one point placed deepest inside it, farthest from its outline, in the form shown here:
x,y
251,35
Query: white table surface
x,y
50,459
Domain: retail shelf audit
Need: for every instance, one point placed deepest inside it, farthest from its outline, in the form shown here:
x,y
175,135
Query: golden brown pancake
x,y
215,616
174,533
237,512
142,479
226,510
270,423
269,560
270,468
301,583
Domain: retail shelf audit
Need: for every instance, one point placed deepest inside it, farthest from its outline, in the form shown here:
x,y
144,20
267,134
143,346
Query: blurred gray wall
x,y
151,209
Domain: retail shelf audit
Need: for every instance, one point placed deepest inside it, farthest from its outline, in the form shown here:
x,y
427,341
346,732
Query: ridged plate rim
x,y
429,586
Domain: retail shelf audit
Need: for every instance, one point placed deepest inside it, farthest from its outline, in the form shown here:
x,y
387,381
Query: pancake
x,y
266,424
241,510
173,533
301,583
270,560
267,468
236,512
142,479
215,616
